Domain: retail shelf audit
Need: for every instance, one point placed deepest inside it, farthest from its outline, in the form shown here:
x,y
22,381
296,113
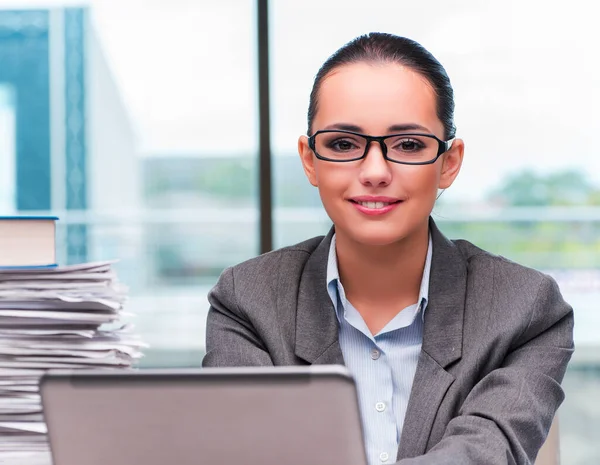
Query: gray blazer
x,y
496,343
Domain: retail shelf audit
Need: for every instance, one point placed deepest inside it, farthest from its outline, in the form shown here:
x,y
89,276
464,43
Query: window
x,y
135,122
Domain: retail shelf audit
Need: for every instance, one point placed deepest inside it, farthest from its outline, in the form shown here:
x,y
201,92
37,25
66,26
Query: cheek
x,y
334,184
418,181
333,179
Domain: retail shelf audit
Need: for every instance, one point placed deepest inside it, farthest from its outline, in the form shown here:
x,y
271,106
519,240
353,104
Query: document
x,y
62,317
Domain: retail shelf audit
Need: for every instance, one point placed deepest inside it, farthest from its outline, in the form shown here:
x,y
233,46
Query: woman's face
x,y
374,98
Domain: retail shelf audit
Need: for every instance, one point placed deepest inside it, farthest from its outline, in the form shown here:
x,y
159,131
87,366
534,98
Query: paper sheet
x,y
55,318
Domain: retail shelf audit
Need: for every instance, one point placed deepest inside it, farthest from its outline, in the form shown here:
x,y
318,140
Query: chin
x,y
377,236
381,233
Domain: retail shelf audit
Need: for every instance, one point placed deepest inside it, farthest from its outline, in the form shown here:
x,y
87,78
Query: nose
x,y
375,170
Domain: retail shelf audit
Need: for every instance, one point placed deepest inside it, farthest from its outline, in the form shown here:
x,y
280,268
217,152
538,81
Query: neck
x,y
381,274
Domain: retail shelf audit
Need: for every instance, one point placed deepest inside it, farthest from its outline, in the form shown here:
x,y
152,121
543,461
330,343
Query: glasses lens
x,y
339,146
408,148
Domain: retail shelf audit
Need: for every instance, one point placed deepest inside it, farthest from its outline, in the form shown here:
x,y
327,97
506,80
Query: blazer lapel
x,y
442,343
316,323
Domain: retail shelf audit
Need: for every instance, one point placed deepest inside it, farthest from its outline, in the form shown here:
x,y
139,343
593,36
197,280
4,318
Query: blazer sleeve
x,y
230,337
507,415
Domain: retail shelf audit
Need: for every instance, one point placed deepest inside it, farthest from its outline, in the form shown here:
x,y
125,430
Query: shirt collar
x,y
334,287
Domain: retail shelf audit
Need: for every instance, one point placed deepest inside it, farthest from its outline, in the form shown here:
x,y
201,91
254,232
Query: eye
x,y
342,145
409,145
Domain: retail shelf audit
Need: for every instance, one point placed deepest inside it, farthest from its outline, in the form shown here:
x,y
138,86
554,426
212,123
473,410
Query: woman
x,y
458,354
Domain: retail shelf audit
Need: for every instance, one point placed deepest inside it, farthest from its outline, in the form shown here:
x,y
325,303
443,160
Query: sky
x,y
526,74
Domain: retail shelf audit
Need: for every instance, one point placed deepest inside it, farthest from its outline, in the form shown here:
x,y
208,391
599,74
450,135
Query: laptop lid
x,y
250,416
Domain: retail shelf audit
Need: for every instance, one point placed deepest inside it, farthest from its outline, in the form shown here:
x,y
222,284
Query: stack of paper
x,y
63,317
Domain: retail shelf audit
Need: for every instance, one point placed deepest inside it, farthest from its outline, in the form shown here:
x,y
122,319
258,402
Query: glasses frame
x,y
443,146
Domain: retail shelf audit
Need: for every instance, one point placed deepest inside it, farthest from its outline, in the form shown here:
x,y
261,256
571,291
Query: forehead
x,y
375,96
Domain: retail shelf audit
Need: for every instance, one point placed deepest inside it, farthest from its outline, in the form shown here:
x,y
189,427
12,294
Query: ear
x,y
308,160
451,163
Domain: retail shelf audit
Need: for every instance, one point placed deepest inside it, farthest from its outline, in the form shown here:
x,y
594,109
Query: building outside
x,y
67,142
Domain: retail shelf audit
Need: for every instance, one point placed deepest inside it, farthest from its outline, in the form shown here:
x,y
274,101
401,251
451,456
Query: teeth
x,y
374,204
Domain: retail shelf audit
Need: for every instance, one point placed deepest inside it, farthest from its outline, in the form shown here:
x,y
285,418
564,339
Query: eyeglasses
x,y
408,149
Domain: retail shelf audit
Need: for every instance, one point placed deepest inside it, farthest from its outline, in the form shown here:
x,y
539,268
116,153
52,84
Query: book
x,y
27,241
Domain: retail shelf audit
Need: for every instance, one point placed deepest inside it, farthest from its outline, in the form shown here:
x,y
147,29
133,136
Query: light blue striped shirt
x,y
383,365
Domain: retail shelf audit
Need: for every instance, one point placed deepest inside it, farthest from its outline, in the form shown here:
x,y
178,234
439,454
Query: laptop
x,y
245,416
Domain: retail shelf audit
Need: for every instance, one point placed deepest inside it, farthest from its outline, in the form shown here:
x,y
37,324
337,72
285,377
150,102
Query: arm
x,y
230,337
507,415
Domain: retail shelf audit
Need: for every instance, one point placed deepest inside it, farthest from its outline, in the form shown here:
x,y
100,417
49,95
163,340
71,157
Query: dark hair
x,y
389,48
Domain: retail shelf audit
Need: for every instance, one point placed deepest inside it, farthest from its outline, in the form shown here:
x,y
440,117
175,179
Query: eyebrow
x,y
391,129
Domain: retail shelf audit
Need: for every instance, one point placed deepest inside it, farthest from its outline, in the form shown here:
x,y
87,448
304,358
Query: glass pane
x,y
530,184
141,120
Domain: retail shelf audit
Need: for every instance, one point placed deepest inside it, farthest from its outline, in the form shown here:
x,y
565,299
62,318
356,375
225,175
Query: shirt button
x,y
375,354
380,406
384,456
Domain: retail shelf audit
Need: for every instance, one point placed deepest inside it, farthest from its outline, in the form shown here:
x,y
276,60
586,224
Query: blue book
x,y
27,242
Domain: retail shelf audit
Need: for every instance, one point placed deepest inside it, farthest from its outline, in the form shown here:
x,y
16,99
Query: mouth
x,y
374,205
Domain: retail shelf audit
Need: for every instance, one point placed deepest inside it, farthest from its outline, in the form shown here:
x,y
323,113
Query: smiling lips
x,y
370,205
